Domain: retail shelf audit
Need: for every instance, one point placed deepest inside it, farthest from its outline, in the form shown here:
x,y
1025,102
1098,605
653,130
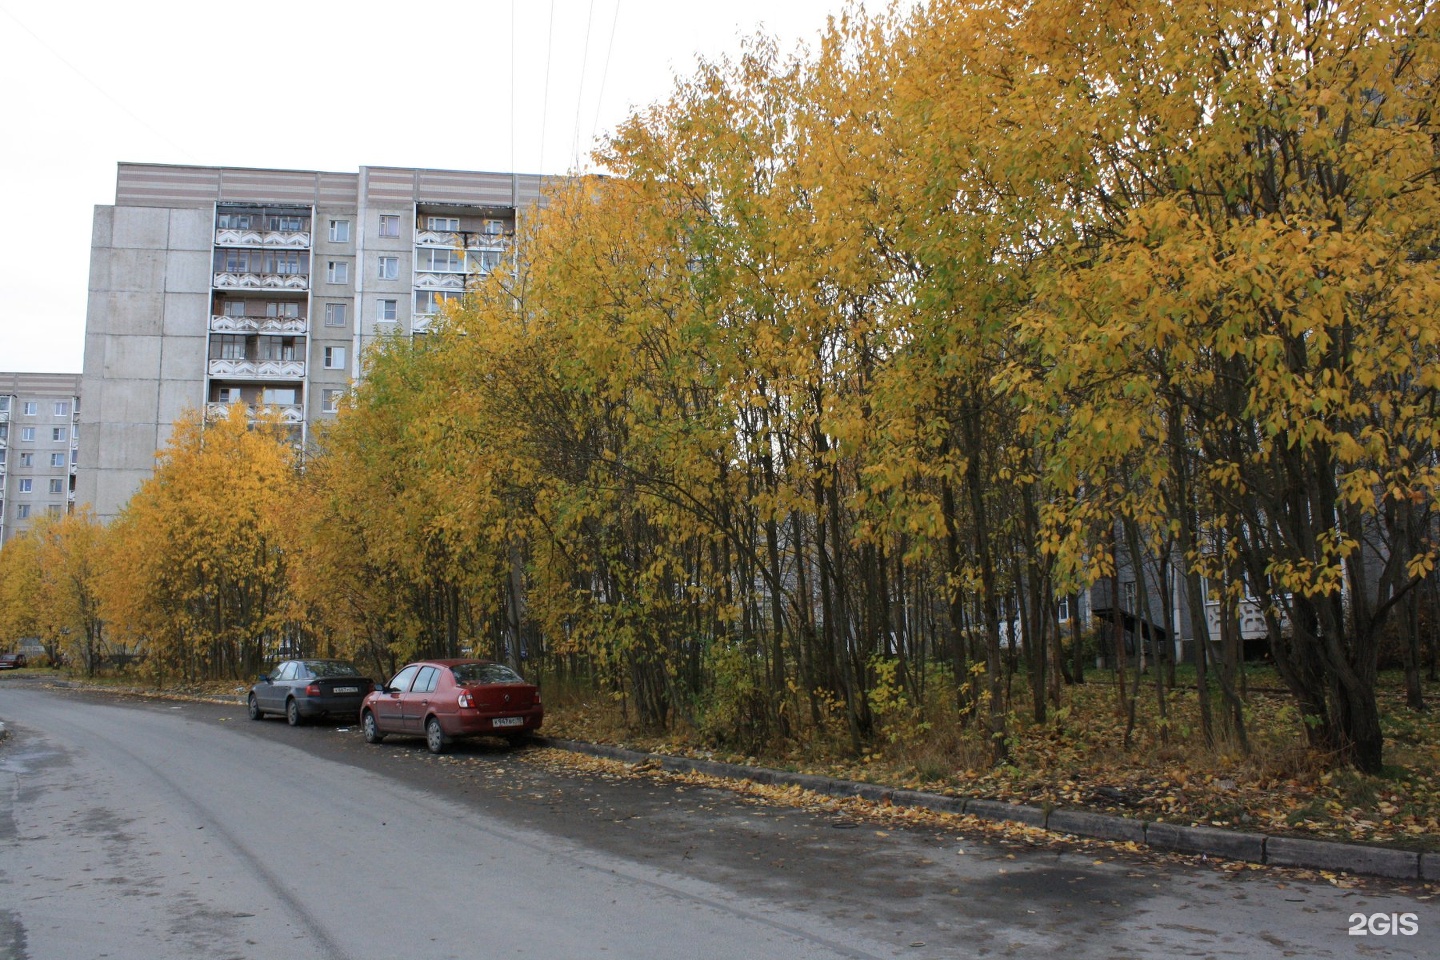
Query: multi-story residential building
x,y
39,419
211,286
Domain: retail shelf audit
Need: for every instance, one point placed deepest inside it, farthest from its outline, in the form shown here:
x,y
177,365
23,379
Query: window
x,y
280,309
339,231
227,395
287,224
334,314
493,228
22,511
59,434
57,485
1062,611
62,408
283,262
27,459
429,301
234,308
387,310
279,396
232,221
330,400
389,225
229,346
443,224
27,434
389,268
53,509
4,404
32,407
26,485
1127,595
486,261
277,348
440,261
236,261
337,271
334,358
425,682
57,459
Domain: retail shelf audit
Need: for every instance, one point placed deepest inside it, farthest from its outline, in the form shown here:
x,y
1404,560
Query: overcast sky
x,y
314,86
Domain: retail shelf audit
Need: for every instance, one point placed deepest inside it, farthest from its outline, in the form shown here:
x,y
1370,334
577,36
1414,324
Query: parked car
x,y
442,700
301,689
12,661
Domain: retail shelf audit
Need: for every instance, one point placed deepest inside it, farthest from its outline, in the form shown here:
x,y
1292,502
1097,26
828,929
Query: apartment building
x,y
39,417
211,286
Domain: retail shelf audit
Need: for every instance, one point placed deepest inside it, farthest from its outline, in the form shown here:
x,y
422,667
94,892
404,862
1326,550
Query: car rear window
x,y
330,668
468,673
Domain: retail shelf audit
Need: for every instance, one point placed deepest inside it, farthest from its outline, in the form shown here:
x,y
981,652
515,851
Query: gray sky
x,y
312,84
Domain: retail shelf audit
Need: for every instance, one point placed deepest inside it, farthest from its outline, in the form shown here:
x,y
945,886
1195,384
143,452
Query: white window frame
x,y
330,400
59,434
57,486
62,408
27,434
442,224
387,310
337,271
335,315
22,511
388,267
27,459
334,358
389,225
32,408
339,231
27,485
57,459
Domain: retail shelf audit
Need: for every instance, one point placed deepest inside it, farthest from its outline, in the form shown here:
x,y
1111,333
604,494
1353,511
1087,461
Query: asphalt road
x,y
155,829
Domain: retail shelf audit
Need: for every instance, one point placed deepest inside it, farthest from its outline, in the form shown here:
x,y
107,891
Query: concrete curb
x,y
1351,858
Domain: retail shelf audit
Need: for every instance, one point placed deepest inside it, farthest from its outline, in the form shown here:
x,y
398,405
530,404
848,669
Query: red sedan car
x,y
442,700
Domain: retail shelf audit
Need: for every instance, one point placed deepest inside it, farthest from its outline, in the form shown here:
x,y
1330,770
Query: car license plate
x,y
509,721
345,690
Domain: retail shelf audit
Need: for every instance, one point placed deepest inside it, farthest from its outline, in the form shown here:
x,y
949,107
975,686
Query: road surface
x,y
157,829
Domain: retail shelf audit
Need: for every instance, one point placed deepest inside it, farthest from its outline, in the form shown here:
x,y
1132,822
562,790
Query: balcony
x,y
274,239
463,239
258,369
420,323
288,412
442,281
278,326
262,281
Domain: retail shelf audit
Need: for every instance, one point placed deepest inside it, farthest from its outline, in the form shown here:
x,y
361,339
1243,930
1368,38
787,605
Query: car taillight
x,y
465,701
313,690
537,694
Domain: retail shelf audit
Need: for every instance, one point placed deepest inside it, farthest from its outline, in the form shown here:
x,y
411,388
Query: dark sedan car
x,y
12,661
301,689
441,700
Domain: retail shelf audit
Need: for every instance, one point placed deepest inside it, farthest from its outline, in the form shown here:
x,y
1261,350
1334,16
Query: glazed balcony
x,y
287,412
271,239
464,239
258,369
442,281
274,326
262,281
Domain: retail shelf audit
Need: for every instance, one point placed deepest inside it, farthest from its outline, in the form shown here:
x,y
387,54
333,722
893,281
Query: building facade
x,y
39,419
211,286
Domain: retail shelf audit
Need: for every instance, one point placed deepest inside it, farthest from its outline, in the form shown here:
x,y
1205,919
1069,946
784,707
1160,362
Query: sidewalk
x,y
1351,858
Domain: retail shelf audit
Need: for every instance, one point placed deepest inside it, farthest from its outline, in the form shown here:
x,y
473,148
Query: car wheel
x,y
252,706
372,730
292,713
434,736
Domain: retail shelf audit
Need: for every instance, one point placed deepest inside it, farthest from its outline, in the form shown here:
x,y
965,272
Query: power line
x,y
545,101
580,92
605,74
103,92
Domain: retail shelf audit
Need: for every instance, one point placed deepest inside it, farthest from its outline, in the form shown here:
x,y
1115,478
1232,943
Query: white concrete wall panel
x,y
188,271
192,229
146,228
187,314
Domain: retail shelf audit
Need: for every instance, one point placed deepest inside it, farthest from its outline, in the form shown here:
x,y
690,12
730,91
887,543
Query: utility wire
x,y
103,92
580,93
605,73
545,101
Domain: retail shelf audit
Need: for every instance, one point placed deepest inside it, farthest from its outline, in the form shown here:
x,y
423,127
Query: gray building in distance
x,y
39,413
211,286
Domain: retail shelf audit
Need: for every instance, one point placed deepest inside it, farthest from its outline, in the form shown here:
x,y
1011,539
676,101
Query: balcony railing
x,y
420,323
262,281
442,281
288,412
270,325
1251,616
275,239
258,369
463,239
